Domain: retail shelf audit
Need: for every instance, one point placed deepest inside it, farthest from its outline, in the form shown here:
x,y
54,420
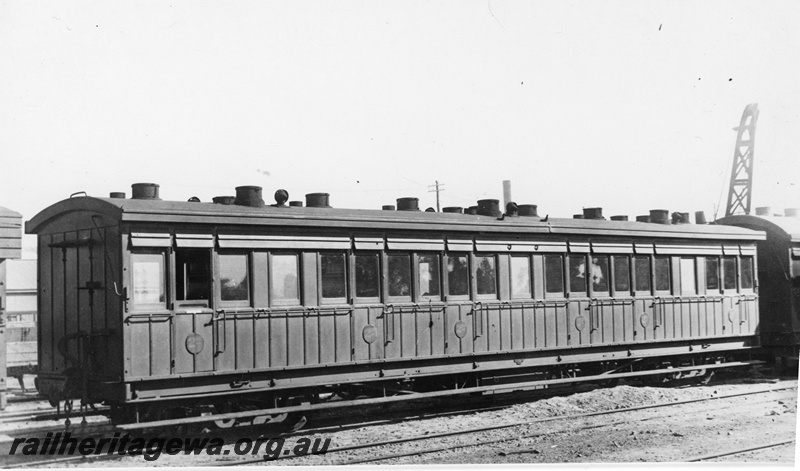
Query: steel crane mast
x,y
741,185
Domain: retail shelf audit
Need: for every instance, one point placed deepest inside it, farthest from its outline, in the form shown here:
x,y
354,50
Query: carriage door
x,y
194,322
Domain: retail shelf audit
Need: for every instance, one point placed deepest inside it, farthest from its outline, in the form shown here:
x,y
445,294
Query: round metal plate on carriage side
x,y
370,333
460,329
194,344
644,319
580,323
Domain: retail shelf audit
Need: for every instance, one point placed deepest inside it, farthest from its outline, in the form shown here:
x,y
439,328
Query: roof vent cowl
x,y
249,196
317,200
144,191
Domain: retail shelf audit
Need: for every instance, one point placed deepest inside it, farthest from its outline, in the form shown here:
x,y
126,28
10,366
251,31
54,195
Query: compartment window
x,y
577,274
485,275
193,280
729,273
641,265
333,274
600,274
148,280
399,275
368,276
520,277
712,273
553,274
429,279
662,274
688,284
795,272
233,280
622,273
458,275
284,282
747,272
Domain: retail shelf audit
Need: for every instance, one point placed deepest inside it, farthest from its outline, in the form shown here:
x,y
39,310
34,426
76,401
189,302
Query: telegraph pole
x,y
437,187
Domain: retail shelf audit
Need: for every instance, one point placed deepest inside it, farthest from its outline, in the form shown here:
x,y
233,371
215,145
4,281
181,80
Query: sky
x,y
624,105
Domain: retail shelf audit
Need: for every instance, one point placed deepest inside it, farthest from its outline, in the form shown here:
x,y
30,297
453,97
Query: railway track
x,y
516,437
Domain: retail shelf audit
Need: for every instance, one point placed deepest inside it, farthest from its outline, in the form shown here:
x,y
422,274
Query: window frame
x,y
387,293
723,272
752,263
354,282
718,273
345,278
590,286
419,296
218,279
568,275
650,275
613,270
210,282
474,277
562,263
654,261
530,293
695,289
271,278
446,278
166,281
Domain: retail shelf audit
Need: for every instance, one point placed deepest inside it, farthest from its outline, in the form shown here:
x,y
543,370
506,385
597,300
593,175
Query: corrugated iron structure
x,y
10,248
153,305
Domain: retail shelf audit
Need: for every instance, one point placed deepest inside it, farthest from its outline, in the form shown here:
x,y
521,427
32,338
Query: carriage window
x,y
485,274
284,280
641,265
577,274
233,279
747,272
458,275
662,274
712,273
520,277
193,280
796,272
399,275
729,272
622,273
599,274
332,271
688,276
148,280
429,283
368,276
553,274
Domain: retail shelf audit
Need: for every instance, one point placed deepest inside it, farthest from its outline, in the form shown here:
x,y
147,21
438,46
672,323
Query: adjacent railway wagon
x,y
165,309
779,274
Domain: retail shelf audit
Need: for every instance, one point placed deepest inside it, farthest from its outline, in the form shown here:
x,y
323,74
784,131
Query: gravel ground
x,y
668,434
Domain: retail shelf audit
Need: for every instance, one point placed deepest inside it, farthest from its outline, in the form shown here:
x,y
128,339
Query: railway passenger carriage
x,y
156,306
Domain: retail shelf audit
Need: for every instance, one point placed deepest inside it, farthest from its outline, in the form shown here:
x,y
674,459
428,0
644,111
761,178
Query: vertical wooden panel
x,y
311,343
160,342
260,280
59,302
225,327
278,339
408,333
528,326
360,321
423,332
517,328
244,342
539,326
261,340
492,313
505,327
437,333
140,347
45,305
296,339
479,327
182,327
327,340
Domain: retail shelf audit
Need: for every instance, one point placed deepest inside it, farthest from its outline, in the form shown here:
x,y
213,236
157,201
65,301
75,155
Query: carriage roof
x,y
786,228
178,212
